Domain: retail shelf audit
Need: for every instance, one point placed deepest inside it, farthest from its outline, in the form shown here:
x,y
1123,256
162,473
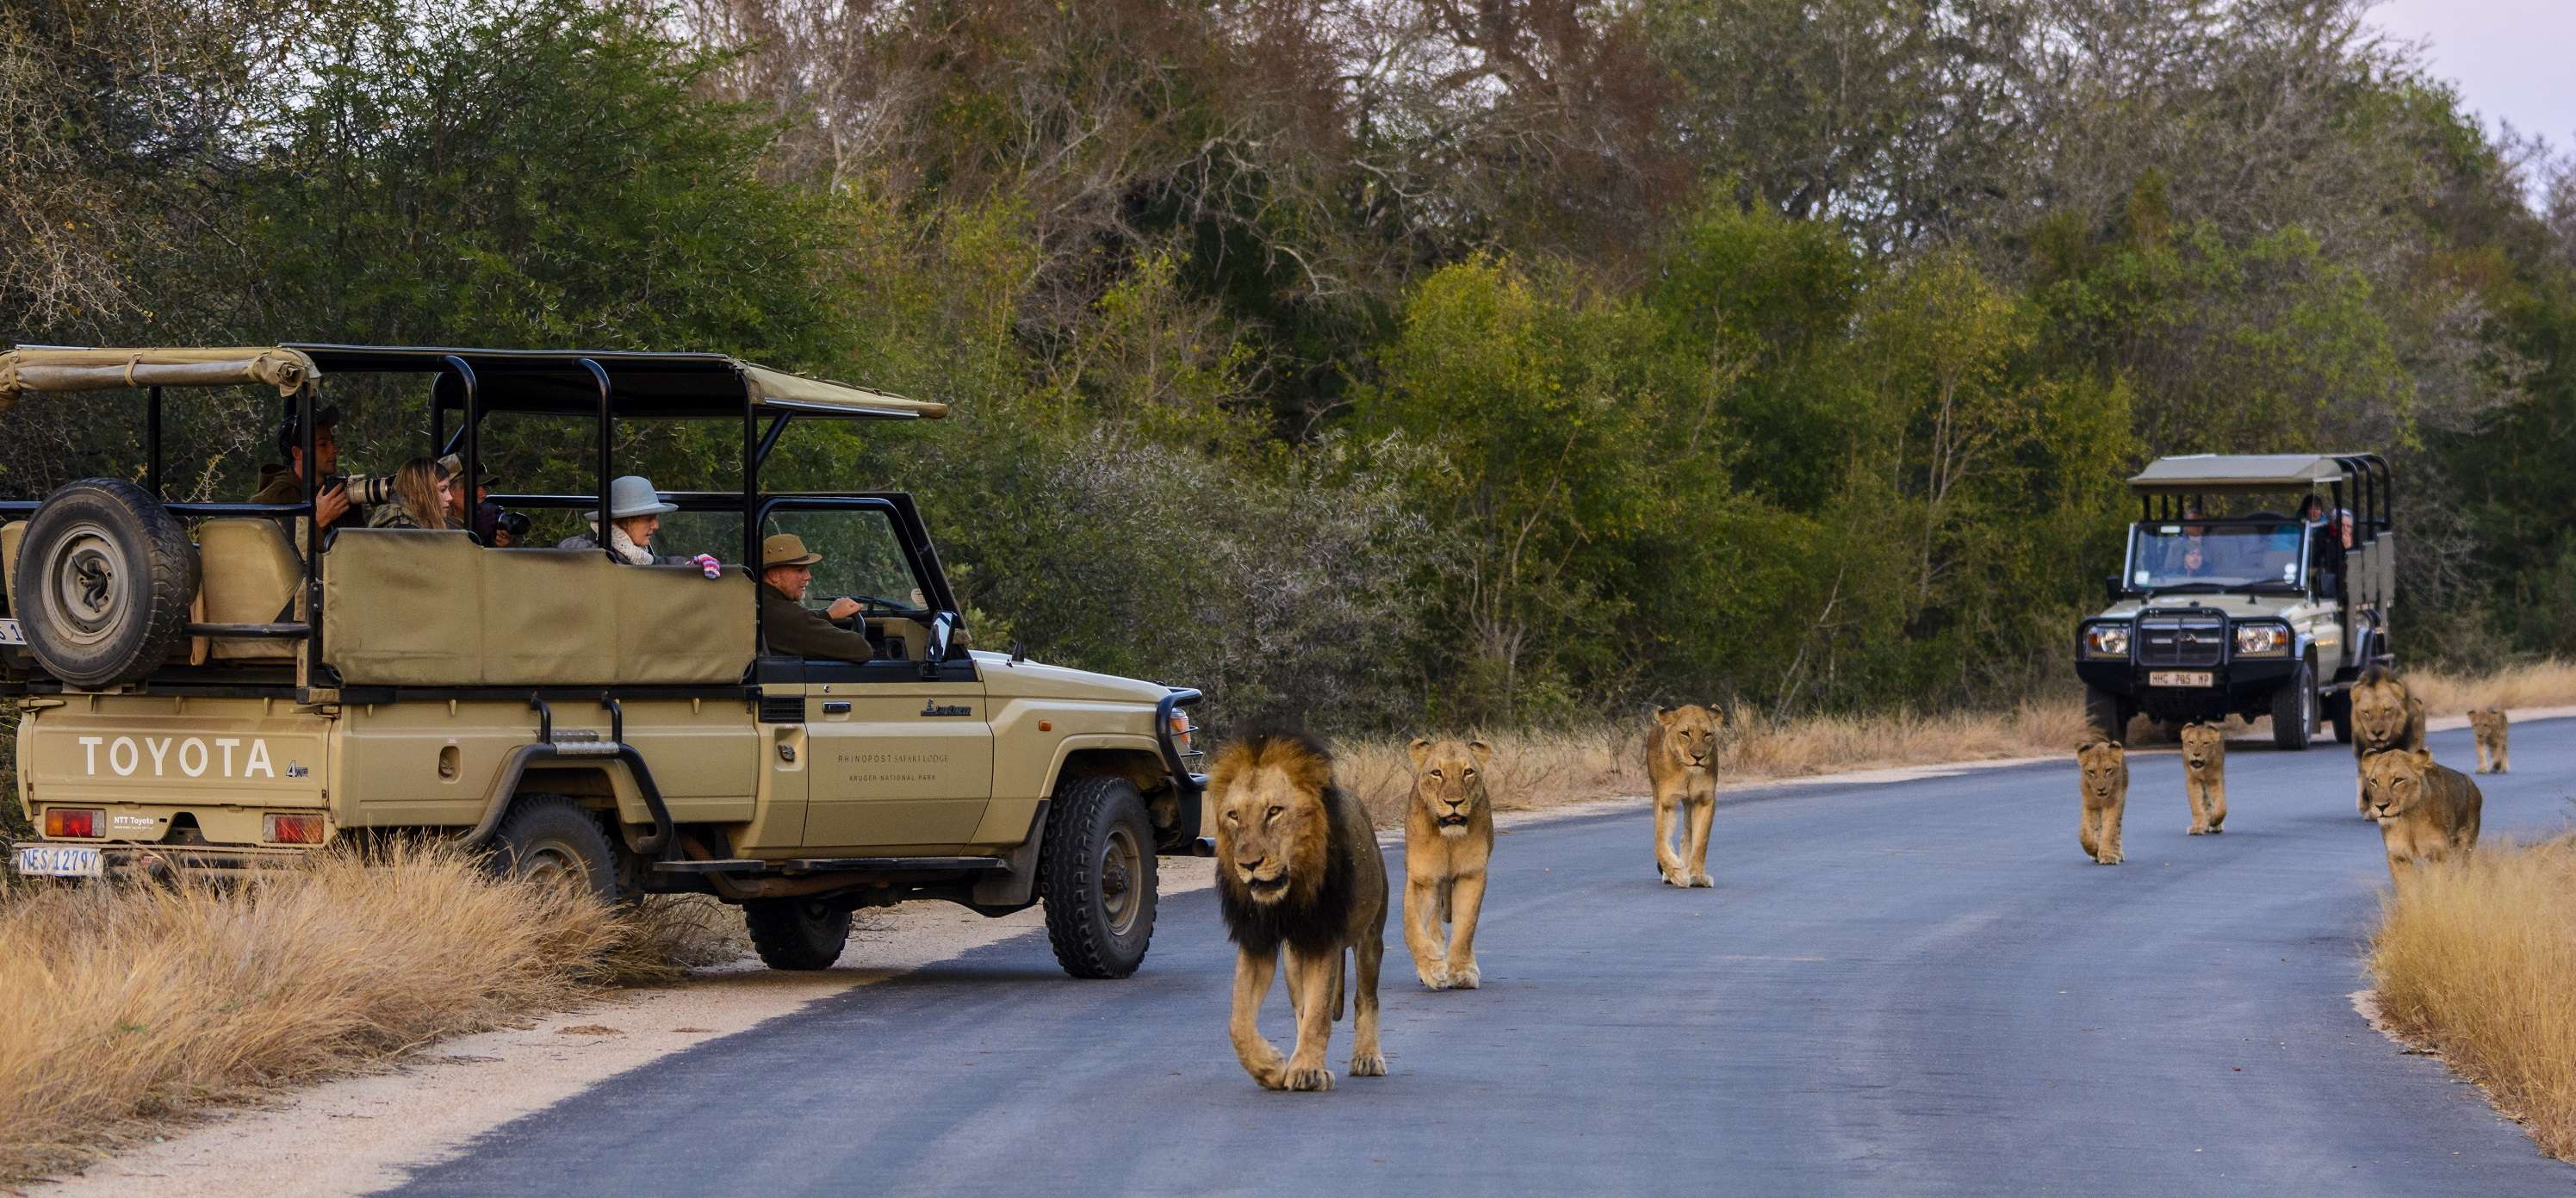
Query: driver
x,y
786,570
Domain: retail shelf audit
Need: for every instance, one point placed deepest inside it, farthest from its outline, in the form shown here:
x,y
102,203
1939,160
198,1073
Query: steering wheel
x,y
866,603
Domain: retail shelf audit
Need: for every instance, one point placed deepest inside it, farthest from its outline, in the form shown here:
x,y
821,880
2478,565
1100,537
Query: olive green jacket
x,y
792,628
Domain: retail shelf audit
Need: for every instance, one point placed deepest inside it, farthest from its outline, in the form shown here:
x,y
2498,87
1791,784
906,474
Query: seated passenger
x,y
288,483
635,512
422,490
456,501
786,570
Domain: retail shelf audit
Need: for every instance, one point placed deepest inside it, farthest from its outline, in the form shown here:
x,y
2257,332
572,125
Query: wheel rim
x,y
552,862
1122,881
83,584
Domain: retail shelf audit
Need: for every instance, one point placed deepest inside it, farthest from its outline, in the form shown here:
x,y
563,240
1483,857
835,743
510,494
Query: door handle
x,y
836,708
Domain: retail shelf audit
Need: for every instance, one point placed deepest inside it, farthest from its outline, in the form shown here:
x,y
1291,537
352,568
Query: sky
x,y
2510,58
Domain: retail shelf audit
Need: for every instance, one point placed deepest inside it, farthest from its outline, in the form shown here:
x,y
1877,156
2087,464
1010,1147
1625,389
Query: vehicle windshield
x,y
2217,555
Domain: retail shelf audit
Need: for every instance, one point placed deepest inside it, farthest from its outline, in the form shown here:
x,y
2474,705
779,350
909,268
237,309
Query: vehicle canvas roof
x,y
2241,472
641,385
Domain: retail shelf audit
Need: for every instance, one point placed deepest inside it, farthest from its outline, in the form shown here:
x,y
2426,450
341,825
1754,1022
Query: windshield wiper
x,y
2195,588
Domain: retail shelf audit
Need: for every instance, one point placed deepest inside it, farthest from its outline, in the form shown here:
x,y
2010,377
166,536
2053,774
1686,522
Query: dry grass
x,y
1540,769
125,1005
2476,960
1532,770
2548,683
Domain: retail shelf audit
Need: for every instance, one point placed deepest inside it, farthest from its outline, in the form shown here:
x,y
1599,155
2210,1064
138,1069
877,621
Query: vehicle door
x,y
899,750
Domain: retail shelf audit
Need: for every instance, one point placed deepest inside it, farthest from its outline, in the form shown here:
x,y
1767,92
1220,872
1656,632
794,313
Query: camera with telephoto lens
x,y
363,491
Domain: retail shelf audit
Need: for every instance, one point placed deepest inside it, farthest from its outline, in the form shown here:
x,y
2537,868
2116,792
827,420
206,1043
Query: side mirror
x,y
943,628
2112,590
2329,584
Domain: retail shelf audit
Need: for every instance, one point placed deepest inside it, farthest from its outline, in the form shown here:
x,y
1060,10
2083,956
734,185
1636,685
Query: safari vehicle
x,y
197,697
2250,612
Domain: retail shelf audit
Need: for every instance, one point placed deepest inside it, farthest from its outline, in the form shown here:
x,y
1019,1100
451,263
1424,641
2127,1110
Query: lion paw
x,y
1368,1064
1702,880
2197,830
1675,877
1312,1080
1465,977
2109,857
1434,975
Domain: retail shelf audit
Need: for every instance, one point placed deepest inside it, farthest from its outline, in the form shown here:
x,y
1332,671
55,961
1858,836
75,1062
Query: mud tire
x,y
103,580
796,934
547,835
2294,711
1096,873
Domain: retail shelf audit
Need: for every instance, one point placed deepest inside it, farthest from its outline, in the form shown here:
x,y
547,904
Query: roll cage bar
x,y
473,383
2369,498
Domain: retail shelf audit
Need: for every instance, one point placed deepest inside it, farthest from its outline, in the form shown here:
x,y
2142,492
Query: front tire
x,y
546,836
2294,710
796,934
1096,873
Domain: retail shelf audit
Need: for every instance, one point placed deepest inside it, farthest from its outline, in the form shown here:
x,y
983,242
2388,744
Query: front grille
x,y
2190,640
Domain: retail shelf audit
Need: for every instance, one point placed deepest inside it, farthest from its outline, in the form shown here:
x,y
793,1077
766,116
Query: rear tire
x,y
2294,710
1097,875
2107,714
2339,714
104,579
796,934
548,836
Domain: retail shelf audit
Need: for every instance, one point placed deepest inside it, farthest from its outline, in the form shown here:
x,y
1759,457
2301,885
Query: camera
x,y
363,491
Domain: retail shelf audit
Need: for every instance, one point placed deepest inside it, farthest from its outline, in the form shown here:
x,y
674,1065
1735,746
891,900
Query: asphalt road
x,y
1915,988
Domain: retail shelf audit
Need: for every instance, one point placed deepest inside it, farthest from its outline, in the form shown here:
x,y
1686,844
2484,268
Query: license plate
x,y
11,633
56,861
2180,678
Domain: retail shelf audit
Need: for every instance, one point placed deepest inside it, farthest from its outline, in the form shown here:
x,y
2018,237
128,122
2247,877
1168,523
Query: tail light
x,y
60,824
294,829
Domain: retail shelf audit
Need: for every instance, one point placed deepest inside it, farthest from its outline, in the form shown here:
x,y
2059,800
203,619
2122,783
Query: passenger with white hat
x,y
635,512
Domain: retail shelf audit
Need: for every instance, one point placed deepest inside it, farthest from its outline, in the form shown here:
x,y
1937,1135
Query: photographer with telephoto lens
x,y
285,483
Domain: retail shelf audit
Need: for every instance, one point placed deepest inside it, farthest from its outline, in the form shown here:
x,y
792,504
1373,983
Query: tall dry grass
x,y
128,1004
2476,959
1533,770
2547,683
1550,768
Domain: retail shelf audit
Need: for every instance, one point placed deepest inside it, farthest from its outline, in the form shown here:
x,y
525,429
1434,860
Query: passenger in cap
x,y
792,628
290,481
454,464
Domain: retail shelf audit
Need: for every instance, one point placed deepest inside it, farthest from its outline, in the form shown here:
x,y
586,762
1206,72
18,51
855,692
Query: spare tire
x,y
104,579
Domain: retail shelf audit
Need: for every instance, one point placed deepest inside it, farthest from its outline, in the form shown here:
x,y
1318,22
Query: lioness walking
x,y
2385,716
2105,783
2426,811
1681,760
2488,726
1298,866
1448,839
2204,776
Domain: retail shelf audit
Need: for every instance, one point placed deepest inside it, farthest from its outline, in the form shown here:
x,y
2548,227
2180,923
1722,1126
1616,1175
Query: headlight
x,y
2106,640
2262,640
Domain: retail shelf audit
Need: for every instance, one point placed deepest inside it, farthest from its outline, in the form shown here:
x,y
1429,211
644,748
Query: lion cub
x,y
1681,759
2105,767
2425,811
2488,726
1448,839
2204,776
1298,867
2385,715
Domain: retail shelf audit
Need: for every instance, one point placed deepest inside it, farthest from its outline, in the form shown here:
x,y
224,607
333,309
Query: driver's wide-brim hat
x,y
786,549
633,495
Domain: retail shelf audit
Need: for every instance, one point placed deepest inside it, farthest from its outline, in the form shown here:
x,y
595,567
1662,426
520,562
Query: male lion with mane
x,y
1297,867
1448,841
2385,715
1681,761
